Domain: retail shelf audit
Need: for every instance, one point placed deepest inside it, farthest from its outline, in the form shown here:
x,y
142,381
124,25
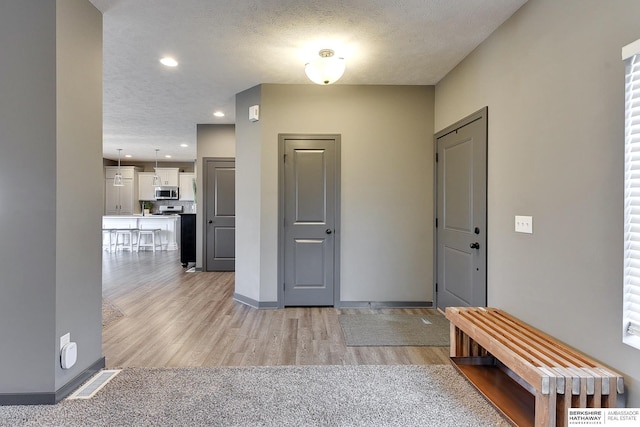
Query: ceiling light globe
x,y
326,69
169,62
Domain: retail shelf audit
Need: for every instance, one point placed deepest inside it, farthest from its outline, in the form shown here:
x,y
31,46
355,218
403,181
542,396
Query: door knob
x,y
475,245
328,231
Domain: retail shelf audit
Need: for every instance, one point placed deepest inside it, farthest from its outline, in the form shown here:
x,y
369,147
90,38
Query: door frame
x,y
205,192
281,209
481,114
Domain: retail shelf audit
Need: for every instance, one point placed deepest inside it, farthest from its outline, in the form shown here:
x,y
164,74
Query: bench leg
x,y
563,419
453,340
545,415
611,400
460,343
597,393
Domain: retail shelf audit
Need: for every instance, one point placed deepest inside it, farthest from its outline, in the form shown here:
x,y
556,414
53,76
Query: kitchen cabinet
x,y
187,239
169,176
121,200
146,190
186,186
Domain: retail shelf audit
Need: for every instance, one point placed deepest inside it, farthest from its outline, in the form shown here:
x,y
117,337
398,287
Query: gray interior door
x,y
461,205
220,214
309,222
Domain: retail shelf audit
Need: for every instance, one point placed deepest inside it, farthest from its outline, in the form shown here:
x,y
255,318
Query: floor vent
x,y
91,387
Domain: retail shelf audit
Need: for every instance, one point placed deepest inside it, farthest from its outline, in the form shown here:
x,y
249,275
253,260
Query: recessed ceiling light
x,y
184,145
168,156
218,114
169,62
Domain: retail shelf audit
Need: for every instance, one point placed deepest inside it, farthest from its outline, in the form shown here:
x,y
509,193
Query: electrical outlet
x,y
524,224
65,339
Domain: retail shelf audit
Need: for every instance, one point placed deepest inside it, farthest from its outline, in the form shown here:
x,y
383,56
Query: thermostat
x,y
68,355
254,113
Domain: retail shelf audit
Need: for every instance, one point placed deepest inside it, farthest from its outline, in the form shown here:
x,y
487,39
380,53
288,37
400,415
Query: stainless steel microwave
x,y
166,193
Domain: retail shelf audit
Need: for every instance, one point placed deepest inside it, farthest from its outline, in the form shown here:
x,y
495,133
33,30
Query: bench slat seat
x,y
557,376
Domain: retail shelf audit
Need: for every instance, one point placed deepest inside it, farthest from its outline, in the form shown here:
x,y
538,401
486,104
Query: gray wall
x,y
213,141
387,210
554,83
27,248
248,194
79,183
50,110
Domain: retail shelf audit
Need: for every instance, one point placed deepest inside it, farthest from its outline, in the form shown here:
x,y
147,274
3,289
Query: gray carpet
x,y
110,312
434,395
395,330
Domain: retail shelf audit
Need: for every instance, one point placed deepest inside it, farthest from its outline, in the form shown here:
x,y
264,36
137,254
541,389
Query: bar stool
x,y
126,243
154,233
110,232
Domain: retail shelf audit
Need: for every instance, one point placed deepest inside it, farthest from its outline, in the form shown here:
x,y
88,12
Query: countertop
x,y
141,216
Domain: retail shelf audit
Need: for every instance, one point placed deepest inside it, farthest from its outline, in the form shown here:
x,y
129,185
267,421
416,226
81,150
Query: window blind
x,y
631,305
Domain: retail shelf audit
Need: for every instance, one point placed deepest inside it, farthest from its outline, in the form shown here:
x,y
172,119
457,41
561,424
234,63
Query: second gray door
x,y
220,214
461,224
309,221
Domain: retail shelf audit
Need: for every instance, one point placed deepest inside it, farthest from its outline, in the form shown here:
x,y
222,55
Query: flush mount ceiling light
x,y
169,62
117,179
218,114
326,69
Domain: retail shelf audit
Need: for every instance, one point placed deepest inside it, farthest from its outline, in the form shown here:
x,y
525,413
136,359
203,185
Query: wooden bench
x,y
532,378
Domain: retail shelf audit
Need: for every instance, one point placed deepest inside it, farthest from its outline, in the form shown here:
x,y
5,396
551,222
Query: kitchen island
x,y
168,225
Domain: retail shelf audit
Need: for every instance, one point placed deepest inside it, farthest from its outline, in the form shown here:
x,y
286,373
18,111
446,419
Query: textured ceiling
x,y
224,47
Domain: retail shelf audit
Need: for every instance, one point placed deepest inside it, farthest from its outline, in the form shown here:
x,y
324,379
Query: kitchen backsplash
x,y
187,206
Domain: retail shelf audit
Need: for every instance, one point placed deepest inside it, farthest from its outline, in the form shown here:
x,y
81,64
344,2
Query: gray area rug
x,y
110,312
434,395
376,330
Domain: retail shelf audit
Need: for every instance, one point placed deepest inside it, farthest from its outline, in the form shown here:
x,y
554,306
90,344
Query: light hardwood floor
x,y
179,319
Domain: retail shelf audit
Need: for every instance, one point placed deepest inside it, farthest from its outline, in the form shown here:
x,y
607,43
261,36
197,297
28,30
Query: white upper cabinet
x,y
186,186
146,190
169,176
121,200
128,172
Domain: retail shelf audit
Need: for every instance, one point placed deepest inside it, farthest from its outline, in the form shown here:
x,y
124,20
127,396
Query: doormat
x,y
377,330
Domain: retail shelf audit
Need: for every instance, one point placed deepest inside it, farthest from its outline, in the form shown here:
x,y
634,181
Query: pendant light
x,y
117,179
156,179
325,70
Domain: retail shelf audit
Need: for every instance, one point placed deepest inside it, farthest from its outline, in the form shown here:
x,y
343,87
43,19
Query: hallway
x,y
177,319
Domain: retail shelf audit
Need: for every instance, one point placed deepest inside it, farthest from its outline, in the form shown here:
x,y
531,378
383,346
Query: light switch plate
x,y
524,224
